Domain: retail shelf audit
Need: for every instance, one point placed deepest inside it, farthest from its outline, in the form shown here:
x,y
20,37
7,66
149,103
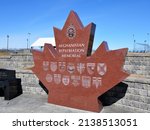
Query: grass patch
x,y
4,53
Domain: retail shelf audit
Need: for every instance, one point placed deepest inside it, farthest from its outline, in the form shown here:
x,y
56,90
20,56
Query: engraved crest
x,y
49,78
90,68
45,65
71,32
62,66
80,67
65,80
97,81
57,78
71,68
53,66
101,68
86,81
75,80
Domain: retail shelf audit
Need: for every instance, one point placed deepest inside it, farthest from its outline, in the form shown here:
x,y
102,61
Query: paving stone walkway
x,y
31,103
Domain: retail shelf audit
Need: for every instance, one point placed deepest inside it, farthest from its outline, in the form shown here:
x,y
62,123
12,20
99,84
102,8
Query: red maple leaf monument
x,y
73,76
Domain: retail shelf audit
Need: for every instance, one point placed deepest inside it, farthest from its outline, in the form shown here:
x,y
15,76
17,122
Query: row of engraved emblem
x,y
101,68
86,81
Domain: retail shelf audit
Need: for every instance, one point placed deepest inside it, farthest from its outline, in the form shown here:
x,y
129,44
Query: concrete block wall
x,y
30,83
18,61
22,62
138,63
137,98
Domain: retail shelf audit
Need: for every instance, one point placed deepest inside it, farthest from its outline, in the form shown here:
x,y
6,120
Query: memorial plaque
x,y
73,76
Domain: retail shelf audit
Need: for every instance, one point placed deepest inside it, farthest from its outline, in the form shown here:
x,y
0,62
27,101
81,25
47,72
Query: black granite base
x,y
10,86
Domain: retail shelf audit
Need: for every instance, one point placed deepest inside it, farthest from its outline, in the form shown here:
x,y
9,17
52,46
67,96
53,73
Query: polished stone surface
x,y
74,77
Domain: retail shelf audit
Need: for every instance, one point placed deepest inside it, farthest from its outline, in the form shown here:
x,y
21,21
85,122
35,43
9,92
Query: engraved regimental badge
x,y
71,32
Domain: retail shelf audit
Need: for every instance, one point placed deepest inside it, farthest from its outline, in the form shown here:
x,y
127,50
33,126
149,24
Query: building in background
x,y
39,43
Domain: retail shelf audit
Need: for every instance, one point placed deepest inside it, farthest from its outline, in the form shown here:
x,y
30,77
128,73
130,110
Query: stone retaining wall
x,y
138,63
137,98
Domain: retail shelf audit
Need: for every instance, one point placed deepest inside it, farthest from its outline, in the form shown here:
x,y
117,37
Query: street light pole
x,y
7,42
134,42
148,37
28,40
148,42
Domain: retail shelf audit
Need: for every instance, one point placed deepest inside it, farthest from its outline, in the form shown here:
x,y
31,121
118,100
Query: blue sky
x,y
116,20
